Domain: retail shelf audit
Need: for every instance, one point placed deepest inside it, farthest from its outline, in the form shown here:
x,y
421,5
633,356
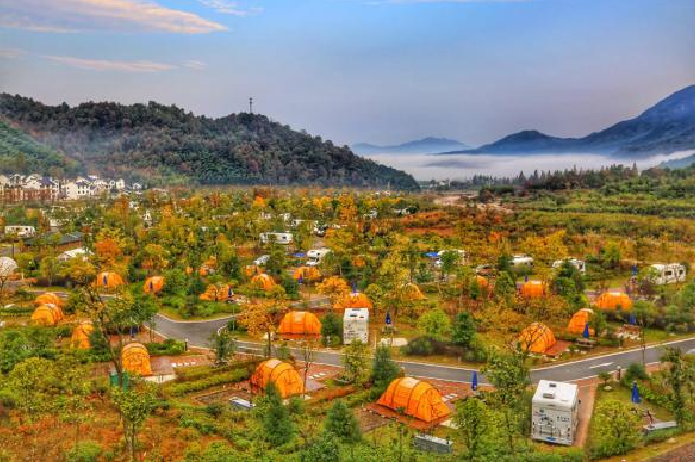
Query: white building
x,y
579,264
555,412
76,190
120,185
278,238
519,261
315,257
74,253
356,325
669,273
20,230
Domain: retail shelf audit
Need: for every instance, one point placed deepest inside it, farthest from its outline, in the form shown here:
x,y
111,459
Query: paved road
x,y
199,331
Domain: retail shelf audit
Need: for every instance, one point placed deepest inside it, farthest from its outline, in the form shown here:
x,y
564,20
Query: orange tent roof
x,y
613,300
286,378
80,335
413,291
307,273
217,292
263,281
154,284
250,270
48,299
353,300
108,280
533,289
418,398
579,321
136,359
300,323
47,315
536,338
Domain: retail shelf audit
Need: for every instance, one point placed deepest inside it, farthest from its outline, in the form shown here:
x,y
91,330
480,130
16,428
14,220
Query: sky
x,y
379,71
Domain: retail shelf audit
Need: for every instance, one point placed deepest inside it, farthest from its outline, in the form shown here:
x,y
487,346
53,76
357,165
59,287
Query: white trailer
x,y
555,412
579,264
462,257
669,273
278,238
316,256
356,325
520,261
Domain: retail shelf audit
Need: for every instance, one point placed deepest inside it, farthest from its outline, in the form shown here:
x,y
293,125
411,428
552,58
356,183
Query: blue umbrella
x,y
229,292
301,278
633,318
635,393
105,279
151,286
634,270
354,287
526,278
388,318
300,254
474,385
432,254
585,334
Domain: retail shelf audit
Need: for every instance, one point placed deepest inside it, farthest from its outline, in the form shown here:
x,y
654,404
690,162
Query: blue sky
x,y
380,71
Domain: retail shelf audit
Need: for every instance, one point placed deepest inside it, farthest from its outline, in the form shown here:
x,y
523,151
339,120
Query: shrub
x,y
180,389
424,346
87,451
170,347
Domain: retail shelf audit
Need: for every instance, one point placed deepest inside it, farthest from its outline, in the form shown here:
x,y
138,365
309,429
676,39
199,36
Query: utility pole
x,y
251,105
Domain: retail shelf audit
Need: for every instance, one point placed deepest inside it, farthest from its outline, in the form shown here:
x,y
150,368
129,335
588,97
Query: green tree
x,y
49,268
331,326
474,422
32,383
464,330
277,426
223,344
384,370
355,361
616,428
435,323
134,407
324,449
680,374
341,423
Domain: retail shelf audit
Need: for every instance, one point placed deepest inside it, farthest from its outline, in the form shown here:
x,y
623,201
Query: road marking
x,y
600,365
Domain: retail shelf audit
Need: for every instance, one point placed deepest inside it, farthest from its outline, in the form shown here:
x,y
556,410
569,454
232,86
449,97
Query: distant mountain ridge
x,y
666,127
424,145
674,164
165,144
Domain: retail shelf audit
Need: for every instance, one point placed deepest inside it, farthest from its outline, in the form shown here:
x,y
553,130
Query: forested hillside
x,y
155,141
19,153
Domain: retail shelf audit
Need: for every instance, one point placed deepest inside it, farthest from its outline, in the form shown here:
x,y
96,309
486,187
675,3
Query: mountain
x,y
158,143
424,145
674,164
20,153
666,127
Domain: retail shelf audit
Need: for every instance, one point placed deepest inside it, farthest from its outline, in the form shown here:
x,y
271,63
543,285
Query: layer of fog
x,y
463,166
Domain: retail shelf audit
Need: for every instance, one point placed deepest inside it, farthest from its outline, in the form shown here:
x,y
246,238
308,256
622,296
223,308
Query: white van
x,y
315,257
519,261
462,257
579,264
278,238
669,273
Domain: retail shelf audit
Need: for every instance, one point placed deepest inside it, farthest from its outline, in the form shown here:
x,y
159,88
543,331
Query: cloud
x,y
194,64
233,8
96,15
11,53
112,65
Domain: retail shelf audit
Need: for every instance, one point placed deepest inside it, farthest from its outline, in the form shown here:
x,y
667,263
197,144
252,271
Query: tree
x,y
680,374
331,326
510,377
75,389
435,323
308,355
258,318
616,428
223,344
473,421
49,268
341,423
464,330
277,426
33,384
324,449
134,408
355,361
384,370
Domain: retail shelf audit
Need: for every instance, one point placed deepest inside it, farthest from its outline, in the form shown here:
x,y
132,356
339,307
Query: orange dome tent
x,y
353,300
154,284
412,291
136,359
482,281
263,281
108,280
418,398
217,292
48,298
251,270
300,323
80,335
307,274
579,321
533,289
286,378
47,315
536,338
613,301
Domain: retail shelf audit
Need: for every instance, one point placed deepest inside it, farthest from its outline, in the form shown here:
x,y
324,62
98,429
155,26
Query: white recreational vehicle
x,y
669,273
519,261
315,257
462,258
579,264
555,412
278,238
20,230
356,325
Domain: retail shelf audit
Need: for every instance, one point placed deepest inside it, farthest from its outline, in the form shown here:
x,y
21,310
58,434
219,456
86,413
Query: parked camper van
x,y
462,257
356,325
579,264
315,257
520,261
555,412
278,238
669,273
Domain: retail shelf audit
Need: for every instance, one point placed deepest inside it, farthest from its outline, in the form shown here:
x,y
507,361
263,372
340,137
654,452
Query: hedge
x,y
180,389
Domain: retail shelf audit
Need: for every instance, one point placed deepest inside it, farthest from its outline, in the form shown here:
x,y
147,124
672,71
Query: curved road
x,y
198,332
